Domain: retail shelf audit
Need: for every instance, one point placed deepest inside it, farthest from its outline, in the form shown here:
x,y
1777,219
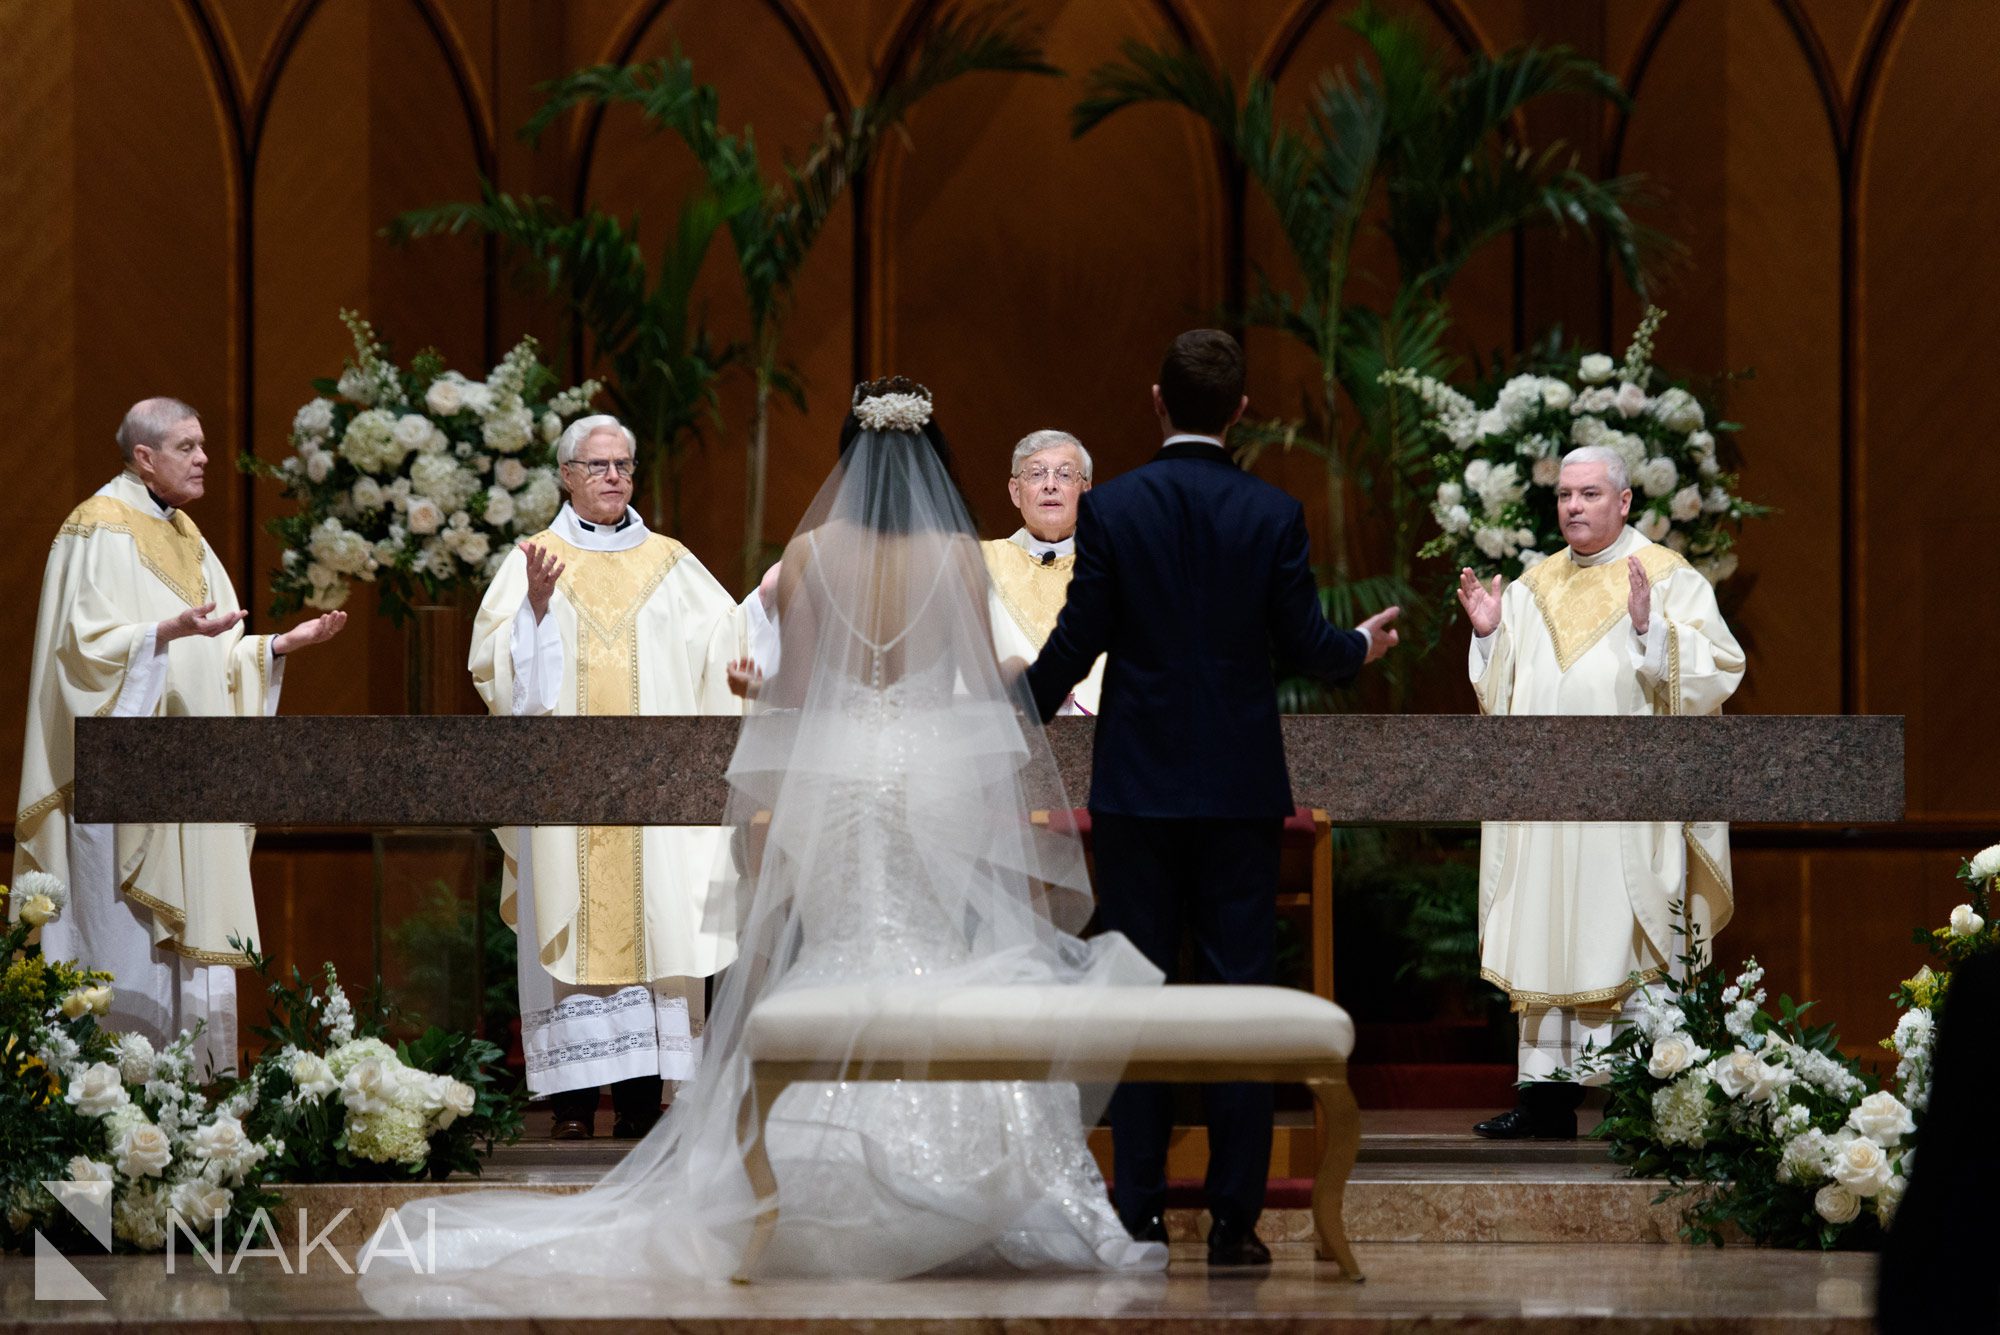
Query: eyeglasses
x,y
600,467
1065,475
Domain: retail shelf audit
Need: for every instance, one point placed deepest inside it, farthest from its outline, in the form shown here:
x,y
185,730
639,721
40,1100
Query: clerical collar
x,y
166,511
1045,552
578,532
1193,438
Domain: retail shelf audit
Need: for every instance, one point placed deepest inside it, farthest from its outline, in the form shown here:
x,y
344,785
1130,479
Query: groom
x,y
1196,580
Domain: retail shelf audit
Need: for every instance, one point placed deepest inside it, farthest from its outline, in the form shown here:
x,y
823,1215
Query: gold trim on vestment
x,y
1032,592
607,590
1580,603
171,548
41,808
1521,1001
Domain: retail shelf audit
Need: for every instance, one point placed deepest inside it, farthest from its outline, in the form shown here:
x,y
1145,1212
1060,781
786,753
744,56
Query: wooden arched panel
x,y
785,93
1033,281
1927,188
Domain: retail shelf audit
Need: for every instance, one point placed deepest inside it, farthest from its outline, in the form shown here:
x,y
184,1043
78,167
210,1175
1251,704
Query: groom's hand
x,y
1381,630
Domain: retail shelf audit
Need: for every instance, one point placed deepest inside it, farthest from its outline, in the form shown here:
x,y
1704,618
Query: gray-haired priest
x,y
618,925
137,619
1031,570
1571,914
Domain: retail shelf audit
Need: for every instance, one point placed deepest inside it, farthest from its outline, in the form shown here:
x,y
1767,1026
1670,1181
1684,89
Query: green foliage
x,y
443,939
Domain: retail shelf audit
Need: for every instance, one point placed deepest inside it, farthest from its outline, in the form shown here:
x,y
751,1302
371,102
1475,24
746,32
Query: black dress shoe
x,y
1152,1228
570,1128
1230,1243
634,1127
1547,1111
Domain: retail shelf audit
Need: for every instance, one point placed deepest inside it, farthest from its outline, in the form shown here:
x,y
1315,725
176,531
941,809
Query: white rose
x,y
1547,472
318,466
1686,503
1491,541
98,998
1594,369
1653,525
98,1088
135,1058
314,421
1557,395
1836,1204
1678,542
1882,1118
456,1099
435,443
1658,477
477,397
200,1202
1450,494
412,430
1965,922
312,1077
445,396
221,1141
1678,410
1889,1198
37,910
329,590
371,1087
88,1170
425,516
1861,1167
367,494
511,473
1985,864
1735,1073
552,428
1456,519
1631,400
1715,502
1475,473
142,1151
1672,1055
1702,444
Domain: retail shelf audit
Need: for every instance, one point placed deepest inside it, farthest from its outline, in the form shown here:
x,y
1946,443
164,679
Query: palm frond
x,y
664,91
1170,73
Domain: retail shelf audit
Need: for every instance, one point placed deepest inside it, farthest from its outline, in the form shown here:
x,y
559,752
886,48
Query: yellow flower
x,y
38,910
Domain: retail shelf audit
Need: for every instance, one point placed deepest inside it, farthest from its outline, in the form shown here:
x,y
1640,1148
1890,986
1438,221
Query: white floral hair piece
x,y
894,411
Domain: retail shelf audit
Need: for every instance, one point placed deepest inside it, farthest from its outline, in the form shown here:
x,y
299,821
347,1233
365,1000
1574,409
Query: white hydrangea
x,y
1678,410
370,442
1499,488
535,505
1556,394
1495,543
1449,494
1680,1110
552,428
1518,399
442,479
510,473
339,548
139,1216
1806,1158
476,397
1716,501
328,591
509,432
1455,519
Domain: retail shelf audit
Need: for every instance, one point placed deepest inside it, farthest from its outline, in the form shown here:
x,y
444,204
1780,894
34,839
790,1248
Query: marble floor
x,y
1475,1289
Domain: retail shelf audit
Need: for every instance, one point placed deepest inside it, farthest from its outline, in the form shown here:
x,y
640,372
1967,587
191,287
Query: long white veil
x,y
882,802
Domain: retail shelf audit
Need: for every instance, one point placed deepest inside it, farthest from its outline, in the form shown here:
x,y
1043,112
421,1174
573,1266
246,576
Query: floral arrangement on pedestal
x,y
1757,1118
81,1104
419,480
346,1105
1496,505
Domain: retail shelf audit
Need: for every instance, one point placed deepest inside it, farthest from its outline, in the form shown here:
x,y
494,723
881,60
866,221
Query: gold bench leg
x,y
751,1117
1340,1117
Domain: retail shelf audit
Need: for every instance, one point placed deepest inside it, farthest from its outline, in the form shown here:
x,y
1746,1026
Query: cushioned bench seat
x,y
1178,1033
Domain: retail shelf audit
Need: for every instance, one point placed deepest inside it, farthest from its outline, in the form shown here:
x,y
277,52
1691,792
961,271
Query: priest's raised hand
x,y
316,631
1639,603
1480,601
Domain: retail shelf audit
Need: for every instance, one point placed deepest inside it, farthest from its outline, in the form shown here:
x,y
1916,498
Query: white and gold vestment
x,y
156,905
1571,914
618,925
1030,580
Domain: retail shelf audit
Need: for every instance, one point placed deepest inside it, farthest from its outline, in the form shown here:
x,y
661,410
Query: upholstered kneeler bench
x,y
1096,1035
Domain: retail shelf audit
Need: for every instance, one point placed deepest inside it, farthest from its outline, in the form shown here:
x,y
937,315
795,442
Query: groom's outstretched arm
x,y
1300,633
1083,631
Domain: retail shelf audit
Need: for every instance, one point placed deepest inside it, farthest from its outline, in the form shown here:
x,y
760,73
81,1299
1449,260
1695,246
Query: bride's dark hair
x,y
893,514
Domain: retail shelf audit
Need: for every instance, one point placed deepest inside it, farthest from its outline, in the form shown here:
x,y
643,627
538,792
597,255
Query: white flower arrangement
x,y
1497,472
417,481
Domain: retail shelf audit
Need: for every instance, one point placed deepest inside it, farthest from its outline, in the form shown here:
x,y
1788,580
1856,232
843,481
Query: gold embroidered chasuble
x,y
1570,912
646,630
1027,598
118,567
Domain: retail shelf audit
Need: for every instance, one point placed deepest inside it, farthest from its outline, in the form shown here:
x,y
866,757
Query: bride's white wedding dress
x,y
881,800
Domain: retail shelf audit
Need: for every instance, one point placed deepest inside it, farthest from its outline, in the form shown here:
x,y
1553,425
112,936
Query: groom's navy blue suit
x,y
1195,578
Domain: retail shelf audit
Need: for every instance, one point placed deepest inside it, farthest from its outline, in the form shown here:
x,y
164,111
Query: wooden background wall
x,y
190,189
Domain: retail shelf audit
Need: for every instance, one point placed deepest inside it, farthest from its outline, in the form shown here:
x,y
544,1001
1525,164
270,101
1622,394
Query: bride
x,y
880,795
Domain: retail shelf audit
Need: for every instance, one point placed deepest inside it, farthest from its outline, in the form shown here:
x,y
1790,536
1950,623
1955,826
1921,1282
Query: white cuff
x,y
536,652
146,680
1648,652
274,673
761,638
1480,656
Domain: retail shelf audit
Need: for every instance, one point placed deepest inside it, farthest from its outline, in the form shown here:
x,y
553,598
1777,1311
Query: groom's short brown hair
x,y
1201,380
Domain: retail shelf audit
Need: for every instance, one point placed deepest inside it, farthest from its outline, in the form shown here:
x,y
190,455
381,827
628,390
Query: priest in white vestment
x,y
138,619
1572,916
618,925
1031,569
